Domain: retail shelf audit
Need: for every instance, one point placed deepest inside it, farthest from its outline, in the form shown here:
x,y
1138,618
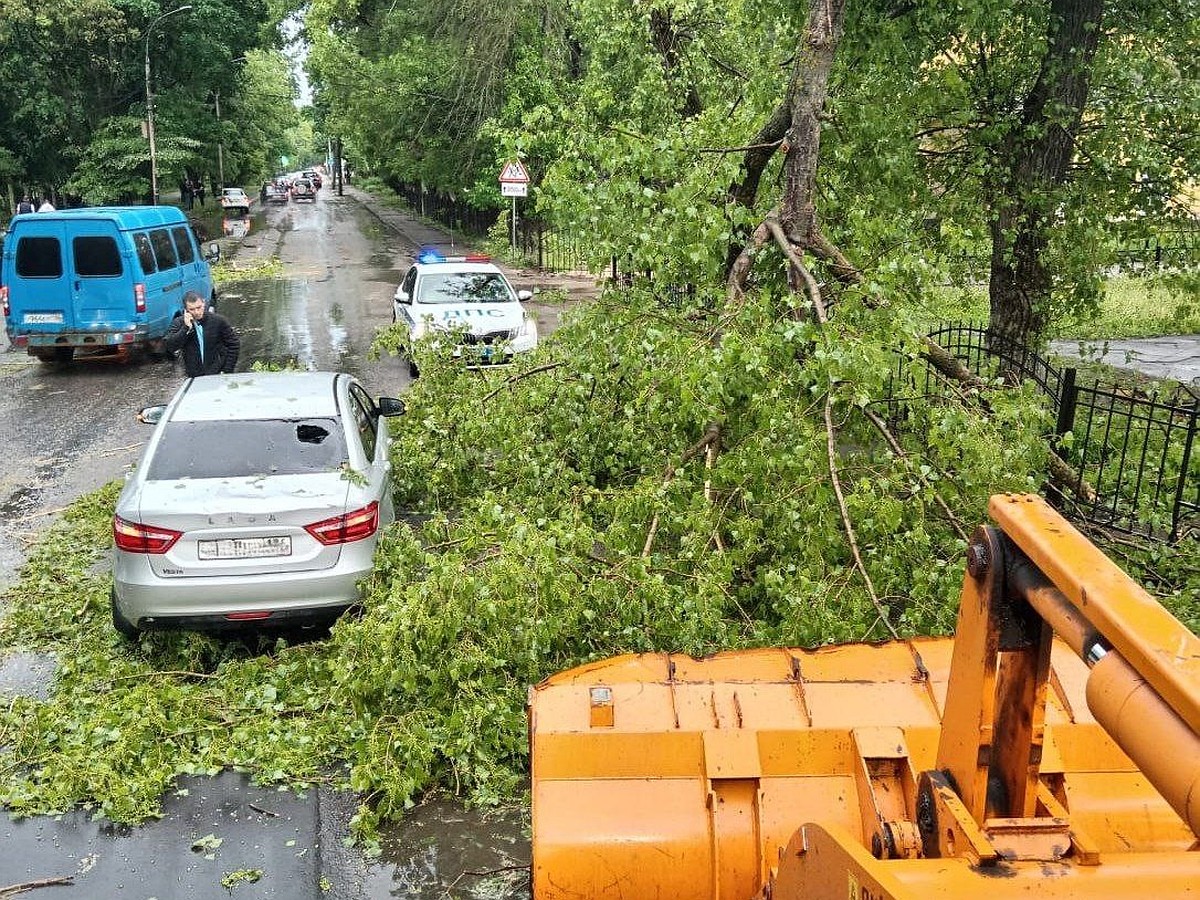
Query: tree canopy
x,y
71,120
1024,138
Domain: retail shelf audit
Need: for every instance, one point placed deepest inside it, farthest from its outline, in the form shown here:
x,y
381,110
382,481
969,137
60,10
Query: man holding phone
x,y
207,341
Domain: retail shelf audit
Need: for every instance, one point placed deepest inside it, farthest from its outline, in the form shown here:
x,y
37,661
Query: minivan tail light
x,y
4,299
345,529
139,297
136,538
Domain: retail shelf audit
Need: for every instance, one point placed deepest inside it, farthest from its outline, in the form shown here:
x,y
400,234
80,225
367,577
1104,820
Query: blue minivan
x,y
107,279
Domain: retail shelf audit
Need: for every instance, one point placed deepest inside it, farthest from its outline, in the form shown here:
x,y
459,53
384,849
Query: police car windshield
x,y
464,287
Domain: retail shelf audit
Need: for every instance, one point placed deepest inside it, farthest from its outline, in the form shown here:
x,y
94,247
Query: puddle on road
x,y
278,327
27,675
443,850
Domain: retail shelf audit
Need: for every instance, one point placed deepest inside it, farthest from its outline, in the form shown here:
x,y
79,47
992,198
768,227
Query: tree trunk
x,y
1035,159
808,90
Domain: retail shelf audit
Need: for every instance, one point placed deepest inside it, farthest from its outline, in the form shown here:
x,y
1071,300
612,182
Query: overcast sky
x,y
296,50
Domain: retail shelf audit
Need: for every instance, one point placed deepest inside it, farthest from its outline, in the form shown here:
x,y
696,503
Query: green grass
x,y
1141,307
1131,307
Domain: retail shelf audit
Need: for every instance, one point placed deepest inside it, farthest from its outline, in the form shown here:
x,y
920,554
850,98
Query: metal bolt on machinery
x,y
1050,749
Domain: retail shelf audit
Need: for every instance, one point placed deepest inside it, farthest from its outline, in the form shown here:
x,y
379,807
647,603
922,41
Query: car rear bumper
x,y
25,338
148,600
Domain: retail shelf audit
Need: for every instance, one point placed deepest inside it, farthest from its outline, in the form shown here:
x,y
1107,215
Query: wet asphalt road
x,y
68,430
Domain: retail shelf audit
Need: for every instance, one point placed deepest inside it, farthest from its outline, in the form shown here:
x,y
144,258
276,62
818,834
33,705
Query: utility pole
x,y
341,176
220,145
150,103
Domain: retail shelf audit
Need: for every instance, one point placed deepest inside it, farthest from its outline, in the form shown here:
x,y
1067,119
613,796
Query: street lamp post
x,y
220,139
150,103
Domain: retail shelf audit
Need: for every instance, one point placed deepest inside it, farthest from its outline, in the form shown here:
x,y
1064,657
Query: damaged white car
x,y
258,501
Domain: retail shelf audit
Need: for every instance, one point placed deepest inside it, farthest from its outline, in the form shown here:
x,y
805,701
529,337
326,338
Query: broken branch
x,y
847,525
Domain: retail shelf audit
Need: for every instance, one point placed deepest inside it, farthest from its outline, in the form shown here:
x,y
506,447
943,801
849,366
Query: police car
x,y
468,298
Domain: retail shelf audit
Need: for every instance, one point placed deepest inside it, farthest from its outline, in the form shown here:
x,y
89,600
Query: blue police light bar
x,y
429,255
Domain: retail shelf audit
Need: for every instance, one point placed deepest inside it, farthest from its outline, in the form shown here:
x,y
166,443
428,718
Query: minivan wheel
x,y
123,626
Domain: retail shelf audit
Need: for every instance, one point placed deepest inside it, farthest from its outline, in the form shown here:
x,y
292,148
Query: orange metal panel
x,y
824,862
1154,642
661,776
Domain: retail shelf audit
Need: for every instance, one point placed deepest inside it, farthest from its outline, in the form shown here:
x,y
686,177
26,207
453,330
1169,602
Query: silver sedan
x,y
258,501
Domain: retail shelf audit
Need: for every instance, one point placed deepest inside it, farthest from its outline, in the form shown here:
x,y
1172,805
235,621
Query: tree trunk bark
x,y
1035,159
808,90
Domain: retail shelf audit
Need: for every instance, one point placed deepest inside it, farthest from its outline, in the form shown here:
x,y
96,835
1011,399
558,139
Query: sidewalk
x,y
419,233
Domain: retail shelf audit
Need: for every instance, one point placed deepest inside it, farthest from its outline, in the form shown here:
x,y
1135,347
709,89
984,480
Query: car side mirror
x,y
524,295
151,415
212,252
390,406
402,297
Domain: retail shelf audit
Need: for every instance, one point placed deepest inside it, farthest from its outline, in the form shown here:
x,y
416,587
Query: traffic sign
x,y
514,189
514,173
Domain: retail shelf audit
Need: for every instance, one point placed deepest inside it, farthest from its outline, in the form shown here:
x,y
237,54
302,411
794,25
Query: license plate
x,y
43,318
245,548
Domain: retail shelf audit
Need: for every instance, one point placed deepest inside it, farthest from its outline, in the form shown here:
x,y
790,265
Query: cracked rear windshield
x,y
247,448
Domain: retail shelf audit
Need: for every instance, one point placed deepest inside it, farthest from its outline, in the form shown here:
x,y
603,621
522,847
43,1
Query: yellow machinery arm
x,y
1002,762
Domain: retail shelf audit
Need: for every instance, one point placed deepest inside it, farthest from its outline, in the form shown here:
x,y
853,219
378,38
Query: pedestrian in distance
x,y
206,340
26,205
200,191
46,206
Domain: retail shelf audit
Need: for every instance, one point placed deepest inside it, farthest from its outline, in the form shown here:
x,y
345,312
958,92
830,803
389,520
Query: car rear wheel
x,y
123,626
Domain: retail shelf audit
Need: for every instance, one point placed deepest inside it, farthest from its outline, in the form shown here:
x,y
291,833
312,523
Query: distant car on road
x,y
258,501
234,200
302,189
315,177
467,297
277,193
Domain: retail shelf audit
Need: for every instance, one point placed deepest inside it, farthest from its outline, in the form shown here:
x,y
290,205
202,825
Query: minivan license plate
x,y
43,318
245,548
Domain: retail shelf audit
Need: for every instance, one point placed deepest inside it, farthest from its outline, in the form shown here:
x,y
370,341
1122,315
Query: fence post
x,y
1067,399
1183,472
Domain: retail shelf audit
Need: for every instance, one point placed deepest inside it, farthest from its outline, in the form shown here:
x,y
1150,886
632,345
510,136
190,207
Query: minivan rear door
x,y
101,288
40,288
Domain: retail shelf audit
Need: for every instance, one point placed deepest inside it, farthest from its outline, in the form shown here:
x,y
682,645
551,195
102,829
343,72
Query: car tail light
x,y
139,297
353,526
136,538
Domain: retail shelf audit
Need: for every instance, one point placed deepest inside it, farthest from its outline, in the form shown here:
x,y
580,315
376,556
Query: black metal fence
x,y
446,208
538,243
1174,248
550,248
1134,451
